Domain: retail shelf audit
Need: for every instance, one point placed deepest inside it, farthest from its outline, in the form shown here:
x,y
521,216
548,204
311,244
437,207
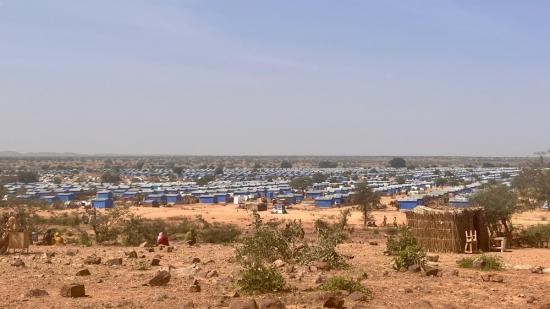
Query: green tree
x,y
401,180
533,185
204,180
366,198
219,170
27,176
110,177
318,177
177,170
286,164
499,203
397,163
328,164
301,183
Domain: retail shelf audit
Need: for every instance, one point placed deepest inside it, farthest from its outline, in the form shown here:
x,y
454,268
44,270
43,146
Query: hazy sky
x,y
275,77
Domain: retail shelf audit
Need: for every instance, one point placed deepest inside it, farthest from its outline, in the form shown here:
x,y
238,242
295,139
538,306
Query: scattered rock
x,y
36,293
196,260
414,268
237,303
279,263
408,290
430,270
160,279
530,299
432,258
195,288
151,249
83,272
18,263
321,265
169,249
373,243
114,262
333,302
537,270
155,262
73,290
132,254
92,260
454,273
357,296
211,274
271,303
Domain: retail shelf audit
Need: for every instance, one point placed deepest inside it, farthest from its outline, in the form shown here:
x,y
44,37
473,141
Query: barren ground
x,y
122,286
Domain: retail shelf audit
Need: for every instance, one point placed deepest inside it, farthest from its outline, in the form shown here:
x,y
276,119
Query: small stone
x,y
321,265
114,262
18,263
99,280
71,252
373,243
73,290
211,274
333,302
195,288
151,249
408,290
454,272
430,271
414,268
169,249
196,260
422,304
237,303
497,278
92,260
537,270
36,293
160,279
155,262
530,299
83,272
132,254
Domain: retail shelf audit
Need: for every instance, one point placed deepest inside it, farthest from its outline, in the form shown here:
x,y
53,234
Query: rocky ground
x,y
203,276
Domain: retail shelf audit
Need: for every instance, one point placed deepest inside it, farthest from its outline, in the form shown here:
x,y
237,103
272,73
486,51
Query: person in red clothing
x,y
162,240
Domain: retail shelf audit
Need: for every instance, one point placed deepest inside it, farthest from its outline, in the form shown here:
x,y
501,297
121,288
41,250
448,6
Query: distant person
x,y
48,238
395,221
162,240
384,221
58,239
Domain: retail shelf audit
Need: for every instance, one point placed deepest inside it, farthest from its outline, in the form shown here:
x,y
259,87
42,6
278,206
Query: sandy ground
x,y
122,286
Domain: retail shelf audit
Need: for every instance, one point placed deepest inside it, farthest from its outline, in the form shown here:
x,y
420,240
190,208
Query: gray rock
x,y
114,262
73,290
18,263
92,260
83,272
271,303
160,279
36,293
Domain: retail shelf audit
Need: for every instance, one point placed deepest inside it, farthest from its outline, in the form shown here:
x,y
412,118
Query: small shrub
x,y
141,265
405,250
343,284
483,262
261,279
218,233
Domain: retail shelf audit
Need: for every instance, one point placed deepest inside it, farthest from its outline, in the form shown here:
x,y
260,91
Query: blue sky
x,y
275,77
